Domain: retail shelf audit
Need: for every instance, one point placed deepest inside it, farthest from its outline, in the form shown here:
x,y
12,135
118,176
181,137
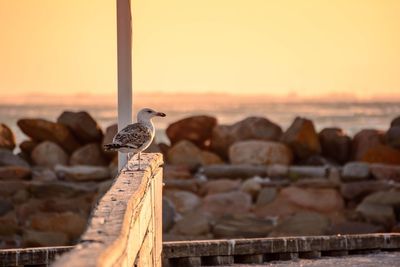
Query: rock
x,y
315,183
335,144
377,213
385,172
209,158
43,174
277,170
5,206
382,154
191,185
196,129
70,223
7,138
302,138
395,122
59,189
90,154
49,154
220,186
357,190
188,154
234,171
266,196
390,198
355,171
7,158
44,239
43,130
27,146
259,153
364,140
355,228
317,160
316,199
111,131
9,188
79,205
183,201
193,223
251,128
9,225
303,224
280,206
297,172
81,173
251,186
176,172
229,203
168,214
393,136
242,227
82,125
14,172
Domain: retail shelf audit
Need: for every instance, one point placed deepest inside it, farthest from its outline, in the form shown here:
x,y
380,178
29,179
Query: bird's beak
x,y
160,114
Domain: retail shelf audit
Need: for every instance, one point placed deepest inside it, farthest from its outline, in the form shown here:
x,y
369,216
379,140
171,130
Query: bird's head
x,y
148,114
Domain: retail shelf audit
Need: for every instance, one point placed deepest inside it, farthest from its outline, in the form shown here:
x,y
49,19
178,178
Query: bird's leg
x,y
128,165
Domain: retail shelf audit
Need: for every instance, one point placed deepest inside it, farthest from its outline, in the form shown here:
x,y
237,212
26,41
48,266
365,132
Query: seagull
x,y
136,137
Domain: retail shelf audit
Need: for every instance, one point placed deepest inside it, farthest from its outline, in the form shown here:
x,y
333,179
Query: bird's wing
x,y
134,135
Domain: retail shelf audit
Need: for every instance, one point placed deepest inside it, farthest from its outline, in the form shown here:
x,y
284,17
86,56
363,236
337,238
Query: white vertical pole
x,y
124,51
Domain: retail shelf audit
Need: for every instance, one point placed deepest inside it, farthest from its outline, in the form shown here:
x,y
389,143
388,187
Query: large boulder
x,y
43,130
49,154
81,173
335,144
14,172
251,128
242,227
393,136
325,200
186,153
168,214
33,238
111,131
395,122
193,223
196,129
377,213
303,224
7,138
90,154
365,140
382,154
235,202
220,186
27,146
356,171
82,125
385,172
260,153
358,190
70,223
302,138
183,201
7,158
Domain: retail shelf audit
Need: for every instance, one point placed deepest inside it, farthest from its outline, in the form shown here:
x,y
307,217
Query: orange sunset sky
x,y
281,47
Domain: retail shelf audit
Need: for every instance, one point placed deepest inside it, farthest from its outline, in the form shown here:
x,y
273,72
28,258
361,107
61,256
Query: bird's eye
x,y
149,111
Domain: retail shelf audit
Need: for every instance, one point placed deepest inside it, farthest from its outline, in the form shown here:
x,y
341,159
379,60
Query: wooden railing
x,y
125,229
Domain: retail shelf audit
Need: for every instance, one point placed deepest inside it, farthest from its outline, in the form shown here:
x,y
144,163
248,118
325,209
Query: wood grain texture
x,y
120,223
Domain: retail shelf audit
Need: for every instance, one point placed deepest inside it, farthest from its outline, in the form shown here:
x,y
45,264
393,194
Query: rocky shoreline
x,y
249,179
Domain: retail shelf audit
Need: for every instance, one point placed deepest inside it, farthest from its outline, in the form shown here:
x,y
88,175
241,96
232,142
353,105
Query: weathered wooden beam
x,y
280,245
31,256
119,226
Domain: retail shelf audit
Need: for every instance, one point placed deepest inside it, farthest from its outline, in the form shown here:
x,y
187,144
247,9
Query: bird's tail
x,y
111,147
